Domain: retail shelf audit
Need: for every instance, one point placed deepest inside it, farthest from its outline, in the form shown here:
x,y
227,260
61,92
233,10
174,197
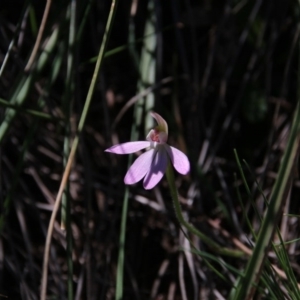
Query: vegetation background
x,y
224,75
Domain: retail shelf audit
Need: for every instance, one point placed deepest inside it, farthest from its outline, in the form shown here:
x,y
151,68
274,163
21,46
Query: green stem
x,y
75,146
24,85
121,255
190,227
67,106
122,240
28,111
282,183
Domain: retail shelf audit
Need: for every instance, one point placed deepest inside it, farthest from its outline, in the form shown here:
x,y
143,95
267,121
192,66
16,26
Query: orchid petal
x,y
129,147
139,168
178,159
157,169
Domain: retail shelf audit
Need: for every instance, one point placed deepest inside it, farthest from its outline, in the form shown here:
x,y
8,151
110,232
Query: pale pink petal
x,y
157,169
178,159
129,147
139,168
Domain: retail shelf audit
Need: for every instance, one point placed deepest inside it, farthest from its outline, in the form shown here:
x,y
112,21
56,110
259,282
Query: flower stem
x,y
190,227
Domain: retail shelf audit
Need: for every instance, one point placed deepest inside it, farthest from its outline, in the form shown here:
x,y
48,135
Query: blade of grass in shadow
x,y
283,258
57,61
122,237
267,276
33,21
67,106
23,13
255,263
210,242
25,84
148,63
39,36
291,241
209,257
270,287
147,73
17,172
282,254
53,75
32,112
71,157
245,215
250,197
82,24
130,43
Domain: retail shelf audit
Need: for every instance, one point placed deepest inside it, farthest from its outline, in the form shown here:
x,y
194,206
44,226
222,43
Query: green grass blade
x,y
283,257
122,239
16,34
148,63
147,71
25,84
206,239
31,112
67,106
248,193
74,147
269,223
271,283
16,176
33,20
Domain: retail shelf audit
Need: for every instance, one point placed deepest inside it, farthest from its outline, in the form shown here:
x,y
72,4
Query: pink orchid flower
x,y
152,164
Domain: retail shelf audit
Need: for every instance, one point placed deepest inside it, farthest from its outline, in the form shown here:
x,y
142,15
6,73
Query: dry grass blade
x,y
74,149
39,37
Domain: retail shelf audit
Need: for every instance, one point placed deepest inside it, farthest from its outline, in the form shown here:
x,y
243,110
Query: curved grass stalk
x,y
67,105
147,72
216,247
148,63
244,288
32,112
39,37
23,13
25,84
28,140
75,145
